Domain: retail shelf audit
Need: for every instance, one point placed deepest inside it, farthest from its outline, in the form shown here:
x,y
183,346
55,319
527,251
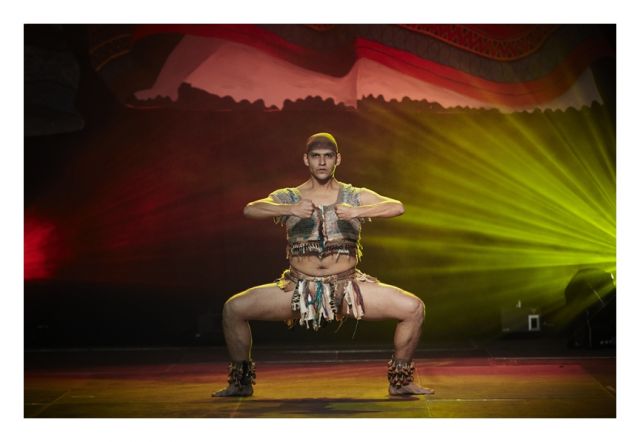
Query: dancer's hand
x,y
346,211
303,208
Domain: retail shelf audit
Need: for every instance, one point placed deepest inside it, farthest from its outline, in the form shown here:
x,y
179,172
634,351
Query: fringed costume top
x,y
323,234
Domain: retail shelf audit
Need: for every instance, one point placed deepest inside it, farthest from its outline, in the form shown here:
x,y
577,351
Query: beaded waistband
x,y
296,275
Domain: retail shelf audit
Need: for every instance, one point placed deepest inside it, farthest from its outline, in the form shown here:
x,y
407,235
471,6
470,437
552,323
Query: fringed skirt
x,y
319,299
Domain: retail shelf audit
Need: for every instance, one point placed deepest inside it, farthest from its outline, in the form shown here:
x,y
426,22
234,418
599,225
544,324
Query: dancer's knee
x,y
416,309
232,309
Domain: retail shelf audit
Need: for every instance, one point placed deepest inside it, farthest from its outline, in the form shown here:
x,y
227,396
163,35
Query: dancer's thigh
x,y
265,302
383,301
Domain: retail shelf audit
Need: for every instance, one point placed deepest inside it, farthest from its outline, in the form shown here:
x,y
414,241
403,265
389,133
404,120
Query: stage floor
x,y
513,379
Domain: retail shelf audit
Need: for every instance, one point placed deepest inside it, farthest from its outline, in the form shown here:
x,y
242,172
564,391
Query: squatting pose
x,y
323,218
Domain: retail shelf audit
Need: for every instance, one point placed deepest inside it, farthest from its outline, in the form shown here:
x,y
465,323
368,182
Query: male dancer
x,y
323,218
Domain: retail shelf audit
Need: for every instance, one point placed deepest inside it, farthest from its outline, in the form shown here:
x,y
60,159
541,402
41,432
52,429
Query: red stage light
x,y
37,235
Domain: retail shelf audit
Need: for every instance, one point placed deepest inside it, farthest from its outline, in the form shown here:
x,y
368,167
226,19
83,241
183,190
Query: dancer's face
x,y
322,163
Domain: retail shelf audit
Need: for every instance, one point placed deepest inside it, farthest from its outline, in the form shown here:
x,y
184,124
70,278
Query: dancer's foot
x,y
233,390
409,389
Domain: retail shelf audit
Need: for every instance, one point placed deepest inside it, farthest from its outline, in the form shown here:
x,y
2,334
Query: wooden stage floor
x,y
470,381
